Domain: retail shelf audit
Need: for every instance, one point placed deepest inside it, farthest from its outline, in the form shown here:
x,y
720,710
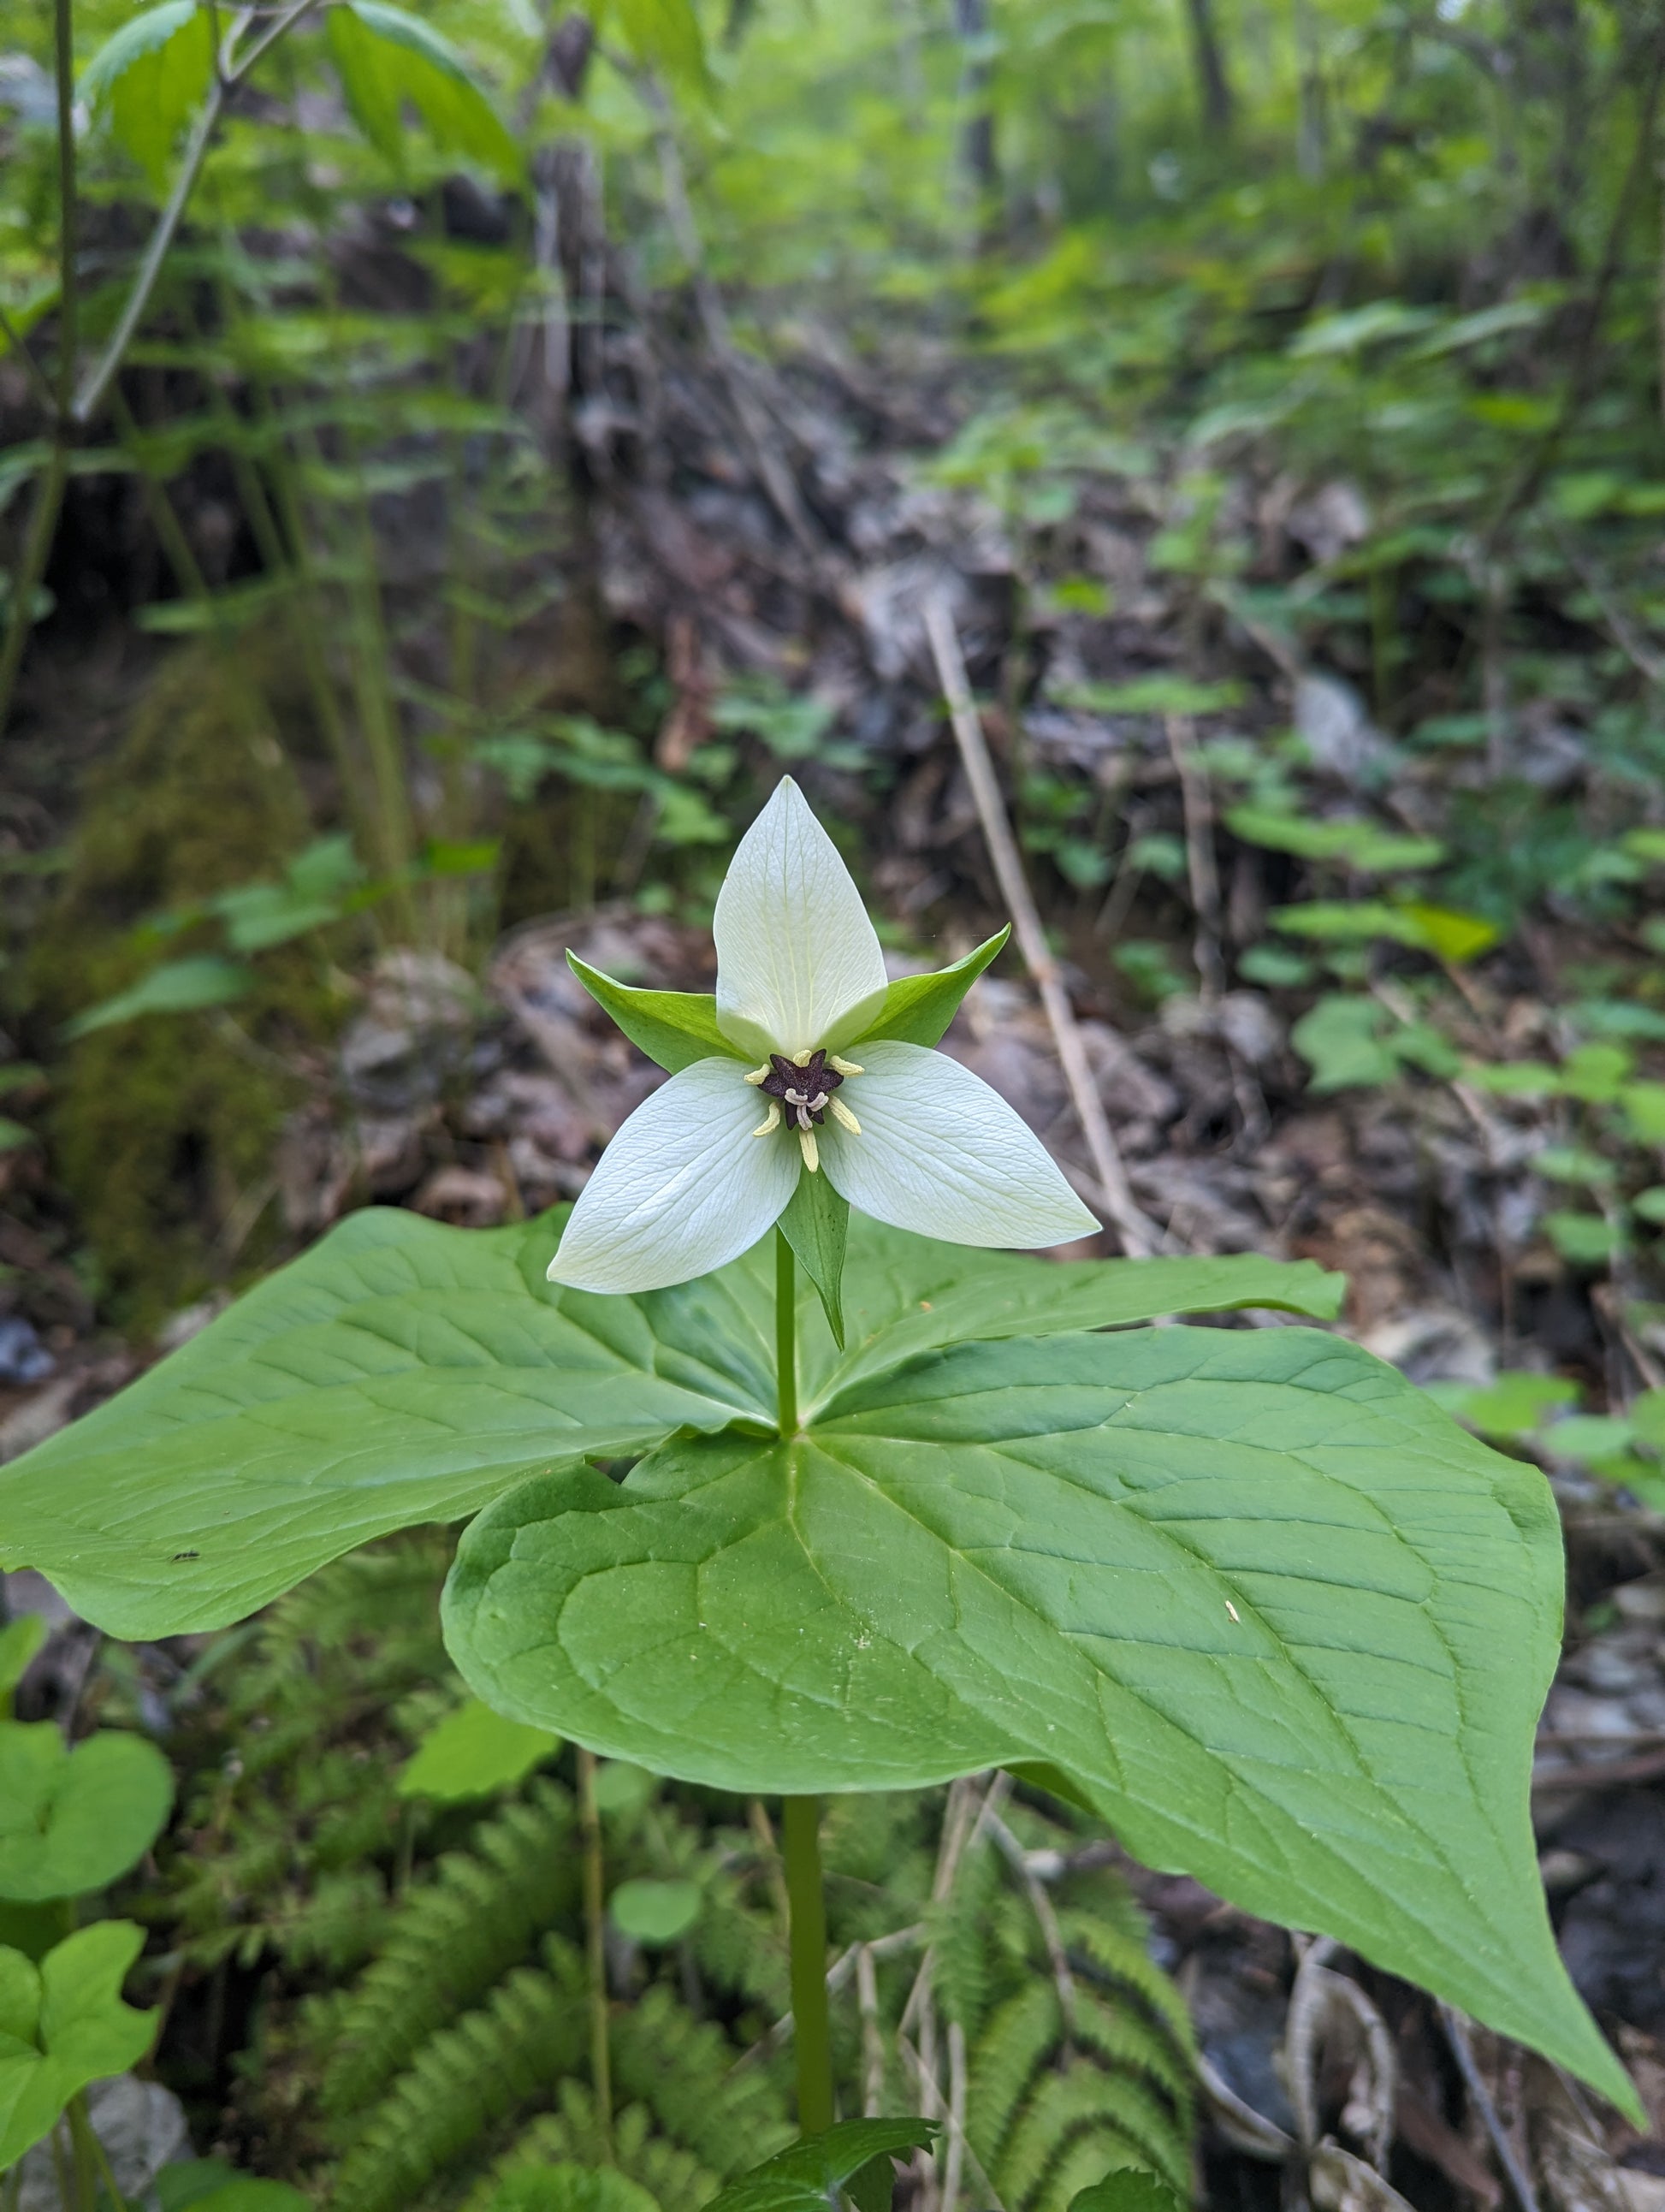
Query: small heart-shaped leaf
x,y
73,1820
63,2024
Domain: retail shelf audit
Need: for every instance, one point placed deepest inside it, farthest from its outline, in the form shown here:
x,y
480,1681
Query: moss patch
x,y
163,1130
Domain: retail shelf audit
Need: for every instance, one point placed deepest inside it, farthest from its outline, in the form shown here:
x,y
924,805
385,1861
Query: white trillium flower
x,y
694,1178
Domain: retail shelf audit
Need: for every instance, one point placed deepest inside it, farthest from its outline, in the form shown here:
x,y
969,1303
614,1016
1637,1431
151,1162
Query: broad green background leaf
x,y
673,1028
387,59
568,2188
918,1009
20,1640
149,78
72,1820
1248,1588
804,2176
1358,843
208,2185
665,34
403,1371
63,2024
654,1912
178,987
474,1753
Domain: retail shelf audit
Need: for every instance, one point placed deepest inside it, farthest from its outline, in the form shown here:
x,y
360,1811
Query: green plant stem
x,y
800,1837
786,1336
69,304
30,570
595,1944
82,2158
31,367
66,2194
89,2146
49,493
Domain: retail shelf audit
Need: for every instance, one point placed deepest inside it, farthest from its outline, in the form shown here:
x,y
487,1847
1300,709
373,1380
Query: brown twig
x,y
1140,1236
1201,867
1519,2180
1041,1906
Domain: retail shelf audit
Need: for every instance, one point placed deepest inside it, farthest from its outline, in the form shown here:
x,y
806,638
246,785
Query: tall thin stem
x,y
64,50
595,1941
800,1836
786,1336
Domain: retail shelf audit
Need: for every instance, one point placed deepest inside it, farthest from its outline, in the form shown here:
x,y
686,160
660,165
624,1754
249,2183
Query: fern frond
x,y
1087,2159
530,2031
1019,2037
738,1948
1062,2105
1122,1958
672,2176
959,1933
451,1939
682,2069
1122,2034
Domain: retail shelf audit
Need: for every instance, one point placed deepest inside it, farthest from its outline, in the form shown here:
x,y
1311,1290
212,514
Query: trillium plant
x,y
898,1506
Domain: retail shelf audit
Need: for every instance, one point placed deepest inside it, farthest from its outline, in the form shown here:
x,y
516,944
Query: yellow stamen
x,y
843,1116
771,1121
803,1059
759,1074
844,1066
811,1157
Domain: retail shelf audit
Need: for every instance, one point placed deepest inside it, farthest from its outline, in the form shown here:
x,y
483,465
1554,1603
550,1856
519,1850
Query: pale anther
x,y
844,1066
771,1121
843,1116
812,1157
758,1073
803,1059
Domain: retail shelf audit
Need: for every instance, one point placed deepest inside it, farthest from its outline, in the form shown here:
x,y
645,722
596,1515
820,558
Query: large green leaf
x,y
148,78
72,1820
1288,1626
905,1295
389,60
403,1371
63,2024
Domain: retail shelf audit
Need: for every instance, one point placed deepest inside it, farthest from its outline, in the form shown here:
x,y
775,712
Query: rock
x,y
1331,720
143,2129
23,1357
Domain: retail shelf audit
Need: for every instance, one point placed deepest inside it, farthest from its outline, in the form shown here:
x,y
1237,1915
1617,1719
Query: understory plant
x,y
866,1505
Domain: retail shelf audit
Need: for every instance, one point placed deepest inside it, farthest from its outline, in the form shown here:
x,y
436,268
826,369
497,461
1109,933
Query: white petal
x,y
942,1154
798,962
683,1189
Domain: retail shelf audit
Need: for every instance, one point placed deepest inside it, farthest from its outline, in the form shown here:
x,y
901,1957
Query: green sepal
x,y
918,1009
817,1225
673,1028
